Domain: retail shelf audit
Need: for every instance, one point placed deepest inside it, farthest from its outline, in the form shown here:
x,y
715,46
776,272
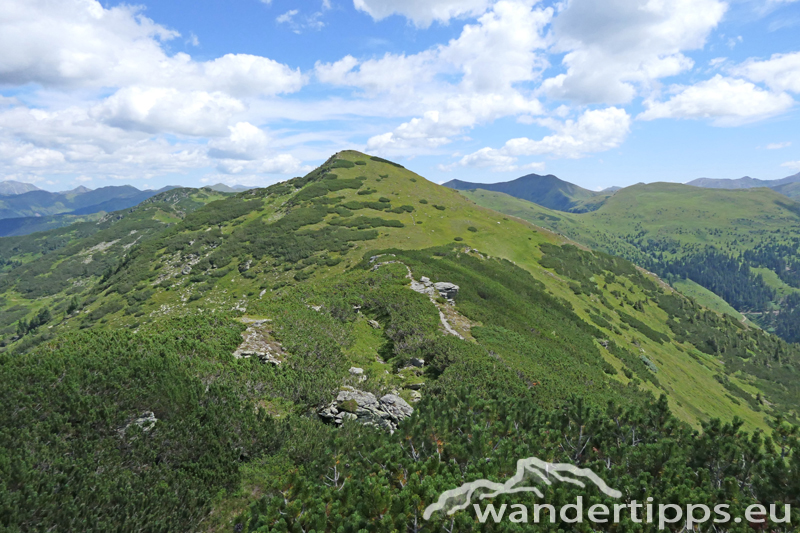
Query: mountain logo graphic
x,y
530,469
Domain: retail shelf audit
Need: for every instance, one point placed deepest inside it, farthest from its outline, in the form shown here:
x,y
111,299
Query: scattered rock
x,y
259,343
415,396
358,372
416,386
374,323
603,343
419,363
363,407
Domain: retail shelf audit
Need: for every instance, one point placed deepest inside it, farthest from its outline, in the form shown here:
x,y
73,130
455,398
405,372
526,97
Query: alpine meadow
x,y
399,266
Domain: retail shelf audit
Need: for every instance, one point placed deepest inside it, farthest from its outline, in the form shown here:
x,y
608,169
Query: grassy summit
x,y
141,374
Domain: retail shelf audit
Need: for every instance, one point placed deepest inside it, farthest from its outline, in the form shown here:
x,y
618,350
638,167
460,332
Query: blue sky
x,y
255,91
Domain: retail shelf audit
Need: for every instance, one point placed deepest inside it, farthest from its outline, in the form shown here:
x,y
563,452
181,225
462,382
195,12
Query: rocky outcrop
x,y
365,408
147,421
444,289
259,343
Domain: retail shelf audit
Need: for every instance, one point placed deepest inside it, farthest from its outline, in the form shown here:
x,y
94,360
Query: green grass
x,y
706,298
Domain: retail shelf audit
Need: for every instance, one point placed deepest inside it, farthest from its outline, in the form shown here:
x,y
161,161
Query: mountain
x,y
742,183
80,189
740,245
548,191
221,187
10,188
15,211
783,186
334,352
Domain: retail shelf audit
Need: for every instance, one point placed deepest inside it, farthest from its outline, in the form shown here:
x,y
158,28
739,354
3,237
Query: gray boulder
x,y
446,289
365,408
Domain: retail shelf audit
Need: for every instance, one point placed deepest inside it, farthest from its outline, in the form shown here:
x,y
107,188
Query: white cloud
x,y
594,131
79,43
435,128
245,142
500,49
422,12
286,17
727,101
276,164
620,48
471,80
781,72
168,110
778,146
494,160
795,165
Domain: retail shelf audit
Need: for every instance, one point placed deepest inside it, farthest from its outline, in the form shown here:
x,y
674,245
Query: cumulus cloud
x,y
195,113
473,79
245,142
79,43
617,49
494,160
248,150
594,131
726,101
422,12
781,72
435,128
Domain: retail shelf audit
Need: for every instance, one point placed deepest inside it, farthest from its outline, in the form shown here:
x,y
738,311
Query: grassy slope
x,y
731,220
694,393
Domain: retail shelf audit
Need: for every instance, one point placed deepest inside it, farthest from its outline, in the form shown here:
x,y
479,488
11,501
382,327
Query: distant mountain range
x,y
786,186
554,193
78,202
548,191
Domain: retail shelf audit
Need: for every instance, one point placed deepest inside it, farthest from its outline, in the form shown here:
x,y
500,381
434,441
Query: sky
x,y
598,92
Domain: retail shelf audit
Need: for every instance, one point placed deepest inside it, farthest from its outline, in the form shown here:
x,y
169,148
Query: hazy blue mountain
x,y
783,186
41,203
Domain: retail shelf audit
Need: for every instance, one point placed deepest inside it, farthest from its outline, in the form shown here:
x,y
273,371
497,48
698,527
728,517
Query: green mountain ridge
x,y
548,191
175,364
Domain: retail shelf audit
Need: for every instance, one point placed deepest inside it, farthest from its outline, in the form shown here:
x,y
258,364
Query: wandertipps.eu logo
x,y
533,471
530,470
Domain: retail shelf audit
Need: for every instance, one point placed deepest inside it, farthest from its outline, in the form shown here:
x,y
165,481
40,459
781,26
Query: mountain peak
x,y
11,188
